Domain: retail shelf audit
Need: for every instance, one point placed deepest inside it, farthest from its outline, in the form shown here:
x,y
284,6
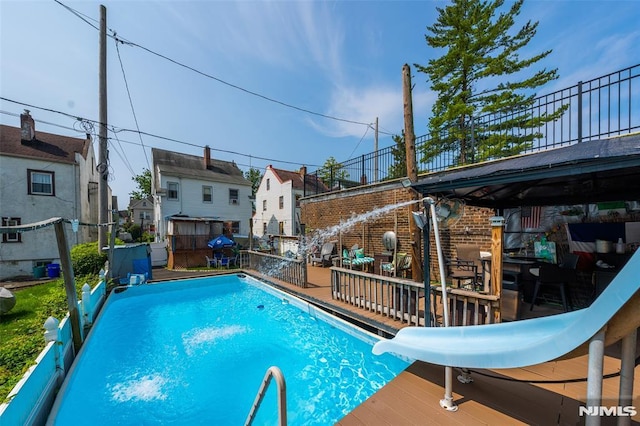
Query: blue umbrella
x,y
220,243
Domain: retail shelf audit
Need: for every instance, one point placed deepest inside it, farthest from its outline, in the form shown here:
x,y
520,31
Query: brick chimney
x,y
207,157
303,171
27,126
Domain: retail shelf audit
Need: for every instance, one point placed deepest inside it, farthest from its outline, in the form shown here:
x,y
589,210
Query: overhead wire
x,y
358,144
133,111
121,129
212,77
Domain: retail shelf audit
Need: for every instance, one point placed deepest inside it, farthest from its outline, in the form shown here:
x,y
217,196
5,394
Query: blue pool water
x,y
195,352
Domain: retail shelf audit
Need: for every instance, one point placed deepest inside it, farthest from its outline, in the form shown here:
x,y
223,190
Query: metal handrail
x,y
272,372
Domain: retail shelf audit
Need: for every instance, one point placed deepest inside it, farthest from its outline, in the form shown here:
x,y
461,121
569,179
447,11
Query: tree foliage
x,y
398,151
332,172
482,72
254,176
143,182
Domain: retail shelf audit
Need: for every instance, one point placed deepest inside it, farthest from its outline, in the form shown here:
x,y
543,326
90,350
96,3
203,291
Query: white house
x,y
43,175
277,200
188,186
141,213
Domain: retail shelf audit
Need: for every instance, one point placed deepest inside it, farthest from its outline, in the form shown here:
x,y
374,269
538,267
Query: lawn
x,y
21,329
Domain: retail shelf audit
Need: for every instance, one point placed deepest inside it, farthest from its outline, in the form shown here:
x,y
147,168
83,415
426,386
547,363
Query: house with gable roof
x,y
195,199
278,200
43,175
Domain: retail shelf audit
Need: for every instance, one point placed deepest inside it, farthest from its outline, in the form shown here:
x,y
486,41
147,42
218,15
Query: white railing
x,y
31,398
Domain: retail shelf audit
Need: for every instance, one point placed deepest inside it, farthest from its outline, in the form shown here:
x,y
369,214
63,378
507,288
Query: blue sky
x,y
341,59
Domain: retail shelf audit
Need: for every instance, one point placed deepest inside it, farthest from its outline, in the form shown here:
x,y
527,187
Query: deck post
x,y
627,366
594,377
497,238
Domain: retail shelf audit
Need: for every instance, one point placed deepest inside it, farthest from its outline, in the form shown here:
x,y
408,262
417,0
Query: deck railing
x,y
599,108
403,300
388,296
290,270
465,307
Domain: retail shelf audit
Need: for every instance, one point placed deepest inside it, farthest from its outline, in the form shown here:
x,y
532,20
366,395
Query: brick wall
x,y
322,212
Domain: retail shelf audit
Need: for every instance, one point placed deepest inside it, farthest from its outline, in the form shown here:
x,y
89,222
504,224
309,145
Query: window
x,y
207,194
234,226
233,196
281,227
281,202
268,184
145,215
298,196
40,182
264,205
14,237
264,228
172,190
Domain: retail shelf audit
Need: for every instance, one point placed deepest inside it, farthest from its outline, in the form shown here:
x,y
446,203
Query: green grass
x,y
21,329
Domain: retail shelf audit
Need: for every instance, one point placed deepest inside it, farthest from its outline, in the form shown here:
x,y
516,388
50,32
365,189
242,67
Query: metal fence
x,y
599,108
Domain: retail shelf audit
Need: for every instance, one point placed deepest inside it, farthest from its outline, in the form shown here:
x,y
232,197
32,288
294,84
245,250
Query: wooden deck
x,y
509,396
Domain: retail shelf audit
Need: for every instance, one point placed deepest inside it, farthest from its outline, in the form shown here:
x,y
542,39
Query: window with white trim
x,y
207,194
281,202
14,237
172,190
233,196
40,182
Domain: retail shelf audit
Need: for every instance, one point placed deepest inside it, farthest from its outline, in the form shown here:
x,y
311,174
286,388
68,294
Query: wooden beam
x,y
69,285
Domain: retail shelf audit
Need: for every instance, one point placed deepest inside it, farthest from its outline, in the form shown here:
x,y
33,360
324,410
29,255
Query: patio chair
x,y
325,256
211,263
360,260
466,269
224,261
557,276
389,268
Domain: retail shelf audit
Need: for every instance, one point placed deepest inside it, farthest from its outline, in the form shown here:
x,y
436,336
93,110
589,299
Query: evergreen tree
x,y
332,172
482,72
398,152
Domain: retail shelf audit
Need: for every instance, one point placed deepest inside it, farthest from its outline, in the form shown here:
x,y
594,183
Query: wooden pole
x,y
497,238
412,172
69,285
103,155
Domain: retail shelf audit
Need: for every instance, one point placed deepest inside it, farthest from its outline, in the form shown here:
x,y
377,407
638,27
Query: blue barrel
x,y
53,270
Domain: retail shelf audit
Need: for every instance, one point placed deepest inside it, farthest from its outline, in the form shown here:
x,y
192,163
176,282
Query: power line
x,y
219,80
133,111
120,129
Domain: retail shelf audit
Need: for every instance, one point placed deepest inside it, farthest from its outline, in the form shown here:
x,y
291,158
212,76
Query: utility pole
x,y
103,155
412,170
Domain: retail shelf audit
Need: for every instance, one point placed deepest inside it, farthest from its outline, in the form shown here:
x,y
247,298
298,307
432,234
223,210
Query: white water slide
x,y
614,315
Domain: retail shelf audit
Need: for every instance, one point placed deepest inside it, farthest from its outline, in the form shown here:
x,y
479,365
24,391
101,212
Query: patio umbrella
x,y
220,243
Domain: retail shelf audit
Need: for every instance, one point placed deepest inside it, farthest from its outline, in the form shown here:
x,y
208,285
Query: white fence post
x,y
52,334
86,304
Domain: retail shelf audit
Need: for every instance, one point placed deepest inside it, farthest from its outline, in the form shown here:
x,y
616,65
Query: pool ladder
x,y
272,372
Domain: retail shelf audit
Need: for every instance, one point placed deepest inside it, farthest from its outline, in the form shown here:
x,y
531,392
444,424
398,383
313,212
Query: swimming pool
x,y
195,352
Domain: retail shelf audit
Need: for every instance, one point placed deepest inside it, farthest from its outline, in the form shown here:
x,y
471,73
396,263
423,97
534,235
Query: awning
x,y
586,172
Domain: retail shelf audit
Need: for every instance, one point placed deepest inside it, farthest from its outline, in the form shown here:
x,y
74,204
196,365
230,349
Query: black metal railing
x,y
599,108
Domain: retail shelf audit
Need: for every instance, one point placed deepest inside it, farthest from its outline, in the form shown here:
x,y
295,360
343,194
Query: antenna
x,y
449,211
